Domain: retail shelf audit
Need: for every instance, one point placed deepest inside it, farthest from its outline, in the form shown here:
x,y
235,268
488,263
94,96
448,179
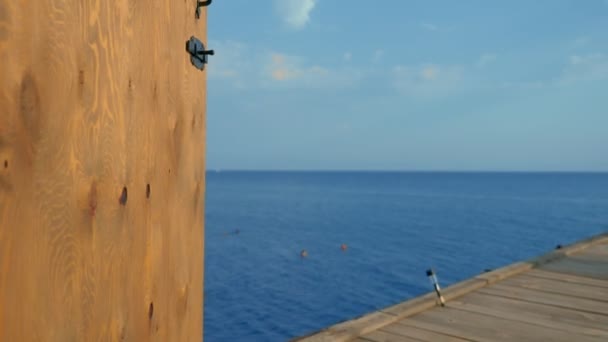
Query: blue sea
x,y
396,225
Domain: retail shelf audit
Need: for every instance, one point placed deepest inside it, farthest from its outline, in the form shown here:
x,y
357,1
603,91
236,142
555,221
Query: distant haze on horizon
x,y
408,85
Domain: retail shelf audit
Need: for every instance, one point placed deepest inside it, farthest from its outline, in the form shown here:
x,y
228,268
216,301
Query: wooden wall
x,y
102,171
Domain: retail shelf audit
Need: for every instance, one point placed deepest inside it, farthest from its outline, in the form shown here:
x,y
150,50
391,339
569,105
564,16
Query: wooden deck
x,y
561,296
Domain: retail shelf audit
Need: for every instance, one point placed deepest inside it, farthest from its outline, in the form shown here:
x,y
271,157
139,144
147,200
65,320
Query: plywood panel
x,y
102,130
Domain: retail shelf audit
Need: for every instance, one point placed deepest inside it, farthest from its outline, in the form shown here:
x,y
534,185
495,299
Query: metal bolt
x,y
205,52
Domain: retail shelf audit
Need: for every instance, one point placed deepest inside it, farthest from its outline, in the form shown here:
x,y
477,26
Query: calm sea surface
x,y
396,225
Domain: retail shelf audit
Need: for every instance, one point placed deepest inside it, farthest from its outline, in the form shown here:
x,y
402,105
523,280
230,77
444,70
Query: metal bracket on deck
x,y
200,4
198,54
433,278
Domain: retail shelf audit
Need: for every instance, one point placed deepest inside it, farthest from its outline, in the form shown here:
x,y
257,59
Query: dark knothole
x,y
123,196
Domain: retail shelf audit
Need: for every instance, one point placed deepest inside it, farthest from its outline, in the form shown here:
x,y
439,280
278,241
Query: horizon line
x,y
404,170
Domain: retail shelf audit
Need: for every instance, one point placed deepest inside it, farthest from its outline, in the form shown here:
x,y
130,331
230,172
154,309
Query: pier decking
x,y
561,296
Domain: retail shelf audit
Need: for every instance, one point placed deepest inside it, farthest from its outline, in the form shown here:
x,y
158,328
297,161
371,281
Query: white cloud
x,y
430,72
523,85
429,27
486,59
581,41
348,56
241,66
592,67
378,55
295,13
232,63
282,68
293,71
579,68
591,59
435,28
427,80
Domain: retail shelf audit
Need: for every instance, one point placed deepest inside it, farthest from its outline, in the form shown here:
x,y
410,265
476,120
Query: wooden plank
x,y
580,266
429,300
504,272
567,278
480,327
579,246
537,314
376,320
598,250
420,334
348,330
382,336
102,171
535,296
542,311
557,286
590,257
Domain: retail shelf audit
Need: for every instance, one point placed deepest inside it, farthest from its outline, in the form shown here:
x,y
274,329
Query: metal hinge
x,y
198,54
200,4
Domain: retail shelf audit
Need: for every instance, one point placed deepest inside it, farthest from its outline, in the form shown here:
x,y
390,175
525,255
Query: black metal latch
x,y
198,54
200,4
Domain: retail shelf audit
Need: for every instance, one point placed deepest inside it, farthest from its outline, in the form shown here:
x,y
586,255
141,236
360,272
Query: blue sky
x,y
408,85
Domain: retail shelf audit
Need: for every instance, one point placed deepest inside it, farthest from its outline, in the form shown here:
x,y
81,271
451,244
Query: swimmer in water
x,y
234,232
343,247
304,253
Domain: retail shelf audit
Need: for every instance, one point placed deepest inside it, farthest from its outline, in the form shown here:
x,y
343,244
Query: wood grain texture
x,y
480,327
567,278
538,314
383,336
102,171
589,265
547,298
559,287
419,334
